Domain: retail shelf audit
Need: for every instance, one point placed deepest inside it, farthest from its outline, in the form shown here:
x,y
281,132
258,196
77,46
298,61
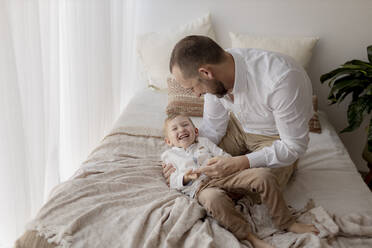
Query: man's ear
x,y
167,141
205,72
196,132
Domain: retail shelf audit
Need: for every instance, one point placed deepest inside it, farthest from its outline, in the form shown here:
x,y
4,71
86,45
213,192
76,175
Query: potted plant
x,y
354,77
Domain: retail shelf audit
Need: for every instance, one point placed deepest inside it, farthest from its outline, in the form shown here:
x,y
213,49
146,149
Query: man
x,y
257,108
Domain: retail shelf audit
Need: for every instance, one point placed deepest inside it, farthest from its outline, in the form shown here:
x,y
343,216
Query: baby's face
x,y
181,132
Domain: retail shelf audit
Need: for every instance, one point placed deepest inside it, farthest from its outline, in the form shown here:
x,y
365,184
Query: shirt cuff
x,y
180,181
257,159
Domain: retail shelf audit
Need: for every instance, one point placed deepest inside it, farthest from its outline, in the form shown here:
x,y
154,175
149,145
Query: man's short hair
x,y
172,116
194,51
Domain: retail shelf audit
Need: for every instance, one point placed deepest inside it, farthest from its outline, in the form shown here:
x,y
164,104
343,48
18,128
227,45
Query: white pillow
x,y
299,48
154,49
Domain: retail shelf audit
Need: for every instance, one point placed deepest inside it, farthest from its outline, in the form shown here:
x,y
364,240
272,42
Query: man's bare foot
x,y
297,227
258,243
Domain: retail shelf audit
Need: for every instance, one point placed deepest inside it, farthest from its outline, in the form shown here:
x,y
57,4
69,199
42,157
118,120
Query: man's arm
x,y
215,119
291,102
222,164
214,149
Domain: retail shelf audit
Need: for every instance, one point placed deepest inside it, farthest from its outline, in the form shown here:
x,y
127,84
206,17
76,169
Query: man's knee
x,y
211,197
264,177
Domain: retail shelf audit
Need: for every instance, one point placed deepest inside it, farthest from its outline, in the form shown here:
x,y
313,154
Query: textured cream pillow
x,y
314,123
182,100
154,49
299,48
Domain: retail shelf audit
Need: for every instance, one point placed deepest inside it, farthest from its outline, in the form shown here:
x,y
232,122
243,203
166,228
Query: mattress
x,y
325,173
119,198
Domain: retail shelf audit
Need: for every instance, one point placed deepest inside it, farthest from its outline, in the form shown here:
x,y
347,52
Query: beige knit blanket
x,y
119,198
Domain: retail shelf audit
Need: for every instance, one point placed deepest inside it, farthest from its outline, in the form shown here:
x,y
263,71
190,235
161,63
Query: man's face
x,y
180,132
200,86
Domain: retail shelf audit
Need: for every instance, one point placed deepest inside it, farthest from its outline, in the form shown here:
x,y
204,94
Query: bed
x,y
119,197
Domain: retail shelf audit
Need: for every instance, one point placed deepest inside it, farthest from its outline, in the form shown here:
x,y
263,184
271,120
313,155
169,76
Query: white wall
x,y
343,26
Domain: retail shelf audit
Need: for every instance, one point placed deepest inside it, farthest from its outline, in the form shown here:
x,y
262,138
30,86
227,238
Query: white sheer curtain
x,y
66,71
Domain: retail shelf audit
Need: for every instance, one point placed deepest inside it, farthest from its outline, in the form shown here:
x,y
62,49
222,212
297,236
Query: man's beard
x,y
218,89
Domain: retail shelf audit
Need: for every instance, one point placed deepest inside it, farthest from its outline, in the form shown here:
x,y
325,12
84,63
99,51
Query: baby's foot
x,y
297,227
258,243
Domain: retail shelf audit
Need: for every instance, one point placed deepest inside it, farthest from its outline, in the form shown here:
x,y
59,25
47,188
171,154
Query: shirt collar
x,y
182,149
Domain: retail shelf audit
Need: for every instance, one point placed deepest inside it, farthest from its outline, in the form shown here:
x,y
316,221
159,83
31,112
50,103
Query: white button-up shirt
x,y
193,157
272,95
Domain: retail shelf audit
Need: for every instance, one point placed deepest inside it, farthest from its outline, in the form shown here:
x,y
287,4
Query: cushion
x,y
154,49
314,124
299,48
182,100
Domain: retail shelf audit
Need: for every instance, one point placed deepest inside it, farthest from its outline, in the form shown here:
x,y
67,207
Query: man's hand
x,y
224,166
168,169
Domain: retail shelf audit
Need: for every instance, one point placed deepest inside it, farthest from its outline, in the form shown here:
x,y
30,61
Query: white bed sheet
x,y
325,173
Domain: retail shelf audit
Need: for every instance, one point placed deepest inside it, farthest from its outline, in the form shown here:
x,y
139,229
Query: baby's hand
x,y
191,175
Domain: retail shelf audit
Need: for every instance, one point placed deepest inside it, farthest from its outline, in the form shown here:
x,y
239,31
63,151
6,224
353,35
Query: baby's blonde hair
x,y
172,116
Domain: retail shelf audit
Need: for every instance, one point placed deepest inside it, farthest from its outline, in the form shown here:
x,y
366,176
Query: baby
x,y
189,152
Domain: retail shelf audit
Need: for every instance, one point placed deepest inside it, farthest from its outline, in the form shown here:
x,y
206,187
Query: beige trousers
x,y
262,184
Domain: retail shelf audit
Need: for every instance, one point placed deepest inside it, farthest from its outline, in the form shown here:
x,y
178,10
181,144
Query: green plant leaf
x,y
332,99
353,77
348,75
369,89
369,52
359,62
363,64
344,86
356,68
342,95
346,83
355,113
334,74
